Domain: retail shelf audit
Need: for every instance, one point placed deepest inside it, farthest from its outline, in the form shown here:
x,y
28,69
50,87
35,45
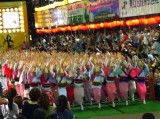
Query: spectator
x,y
39,113
63,109
148,116
44,103
29,106
156,45
53,116
19,101
2,101
11,110
21,117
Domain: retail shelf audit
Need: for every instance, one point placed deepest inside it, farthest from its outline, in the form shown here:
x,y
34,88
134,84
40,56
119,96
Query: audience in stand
x,y
143,42
29,106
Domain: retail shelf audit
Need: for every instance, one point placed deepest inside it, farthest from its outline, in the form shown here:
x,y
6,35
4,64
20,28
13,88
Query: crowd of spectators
x,y
143,42
37,106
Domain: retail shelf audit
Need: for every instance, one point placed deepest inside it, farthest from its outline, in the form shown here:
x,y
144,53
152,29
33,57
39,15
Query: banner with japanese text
x,y
130,8
100,10
59,16
77,13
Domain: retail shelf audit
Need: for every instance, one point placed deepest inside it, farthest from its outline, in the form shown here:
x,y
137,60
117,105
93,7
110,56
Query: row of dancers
x,y
75,75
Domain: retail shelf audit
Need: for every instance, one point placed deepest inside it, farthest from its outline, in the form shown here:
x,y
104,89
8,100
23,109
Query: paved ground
x,y
129,116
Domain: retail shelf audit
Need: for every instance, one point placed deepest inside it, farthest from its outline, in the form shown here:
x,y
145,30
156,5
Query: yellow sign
x,y
13,25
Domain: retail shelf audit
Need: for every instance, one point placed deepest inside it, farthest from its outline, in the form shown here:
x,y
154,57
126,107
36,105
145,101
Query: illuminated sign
x,y
11,20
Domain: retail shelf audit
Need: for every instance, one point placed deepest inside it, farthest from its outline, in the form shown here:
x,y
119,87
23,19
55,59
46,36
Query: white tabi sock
x,y
73,104
133,98
144,102
99,105
90,102
113,104
82,108
126,102
119,99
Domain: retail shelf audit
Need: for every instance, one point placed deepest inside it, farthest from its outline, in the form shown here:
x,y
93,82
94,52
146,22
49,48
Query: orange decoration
x,y
133,22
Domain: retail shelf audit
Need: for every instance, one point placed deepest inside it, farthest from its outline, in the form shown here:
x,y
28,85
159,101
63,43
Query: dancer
x,y
110,86
78,86
98,79
88,72
123,83
132,84
141,86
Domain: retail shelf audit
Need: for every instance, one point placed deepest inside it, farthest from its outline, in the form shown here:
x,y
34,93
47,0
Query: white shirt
x,y
6,111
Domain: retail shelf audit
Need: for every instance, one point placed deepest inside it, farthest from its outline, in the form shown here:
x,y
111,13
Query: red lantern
x,y
58,29
49,31
144,21
114,24
110,25
37,31
92,26
118,23
85,27
45,30
106,24
135,22
63,29
122,23
53,30
128,23
101,25
157,18
68,28
80,27
152,20
74,28
97,26
40,31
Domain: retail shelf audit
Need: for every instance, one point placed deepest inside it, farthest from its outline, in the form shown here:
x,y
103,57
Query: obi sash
x,y
123,79
27,86
34,84
47,85
78,82
140,79
110,79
